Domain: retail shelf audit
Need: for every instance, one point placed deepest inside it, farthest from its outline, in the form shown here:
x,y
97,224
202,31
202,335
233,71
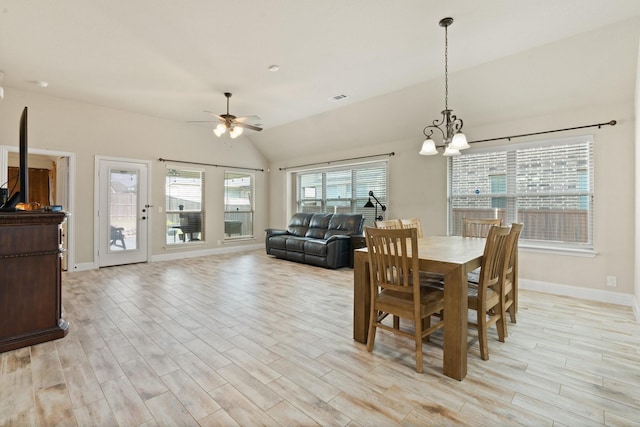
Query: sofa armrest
x,y
274,232
269,232
339,237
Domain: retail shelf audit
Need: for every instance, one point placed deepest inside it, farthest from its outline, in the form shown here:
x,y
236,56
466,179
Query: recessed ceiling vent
x,y
337,98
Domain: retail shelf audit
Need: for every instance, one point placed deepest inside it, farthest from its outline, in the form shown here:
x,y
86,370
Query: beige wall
x,y
582,80
637,190
579,81
89,131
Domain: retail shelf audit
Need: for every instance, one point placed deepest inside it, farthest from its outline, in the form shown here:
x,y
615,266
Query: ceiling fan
x,y
231,123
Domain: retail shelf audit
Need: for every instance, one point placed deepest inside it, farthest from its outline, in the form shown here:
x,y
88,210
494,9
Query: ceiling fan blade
x,y
248,126
248,119
202,121
214,115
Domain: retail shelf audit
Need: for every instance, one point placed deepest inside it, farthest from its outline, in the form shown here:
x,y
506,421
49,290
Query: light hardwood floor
x,y
246,339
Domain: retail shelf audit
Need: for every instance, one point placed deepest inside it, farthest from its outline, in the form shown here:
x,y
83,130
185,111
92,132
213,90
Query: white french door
x,y
123,212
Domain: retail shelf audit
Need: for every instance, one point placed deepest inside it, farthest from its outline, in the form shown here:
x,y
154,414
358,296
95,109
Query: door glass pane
x,y
123,209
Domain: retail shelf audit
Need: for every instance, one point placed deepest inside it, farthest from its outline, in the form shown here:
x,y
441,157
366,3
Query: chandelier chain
x,y
446,69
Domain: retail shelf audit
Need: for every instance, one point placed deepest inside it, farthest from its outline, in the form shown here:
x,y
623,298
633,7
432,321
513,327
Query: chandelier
x,y
450,126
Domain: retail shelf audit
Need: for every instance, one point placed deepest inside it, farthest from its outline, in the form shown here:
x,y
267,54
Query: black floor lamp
x,y
369,204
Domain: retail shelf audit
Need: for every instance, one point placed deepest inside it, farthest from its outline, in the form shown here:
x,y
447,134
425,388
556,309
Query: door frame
x,y
4,162
96,204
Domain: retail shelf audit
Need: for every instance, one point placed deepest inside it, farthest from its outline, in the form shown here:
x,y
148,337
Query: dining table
x,y
452,256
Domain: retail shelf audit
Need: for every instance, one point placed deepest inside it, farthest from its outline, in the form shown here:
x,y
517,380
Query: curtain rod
x,y
341,160
598,125
210,164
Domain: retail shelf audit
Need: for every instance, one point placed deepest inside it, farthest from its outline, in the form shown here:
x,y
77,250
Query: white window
x,y
548,186
184,206
238,205
343,189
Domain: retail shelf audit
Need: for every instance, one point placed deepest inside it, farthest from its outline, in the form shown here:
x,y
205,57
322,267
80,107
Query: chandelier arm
x,y
430,128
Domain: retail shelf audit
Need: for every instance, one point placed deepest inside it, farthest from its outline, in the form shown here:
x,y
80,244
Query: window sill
x,y
238,239
586,253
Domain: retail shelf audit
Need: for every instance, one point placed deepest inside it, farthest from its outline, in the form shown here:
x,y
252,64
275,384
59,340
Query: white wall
x,y
89,131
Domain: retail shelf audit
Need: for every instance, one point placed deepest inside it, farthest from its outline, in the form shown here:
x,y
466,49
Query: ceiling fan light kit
x,y
229,122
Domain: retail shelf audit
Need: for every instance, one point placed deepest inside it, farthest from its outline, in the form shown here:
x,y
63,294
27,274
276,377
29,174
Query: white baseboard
x,y
610,297
168,256
83,267
178,255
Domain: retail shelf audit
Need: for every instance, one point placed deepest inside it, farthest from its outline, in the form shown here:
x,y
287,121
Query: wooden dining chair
x,y
510,275
485,297
388,224
396,291
413,223
478,227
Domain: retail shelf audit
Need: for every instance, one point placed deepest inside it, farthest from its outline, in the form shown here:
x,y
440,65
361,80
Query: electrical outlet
x,y
612,281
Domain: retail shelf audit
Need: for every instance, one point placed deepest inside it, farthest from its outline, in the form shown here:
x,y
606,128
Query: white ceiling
x,y
174,59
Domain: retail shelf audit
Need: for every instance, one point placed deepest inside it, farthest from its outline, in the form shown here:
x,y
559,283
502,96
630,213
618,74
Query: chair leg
x,y
396,322
371,336
501,326
418,339
482,335
426,324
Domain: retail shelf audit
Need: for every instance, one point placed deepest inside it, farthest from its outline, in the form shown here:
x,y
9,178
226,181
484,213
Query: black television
x,y
21,196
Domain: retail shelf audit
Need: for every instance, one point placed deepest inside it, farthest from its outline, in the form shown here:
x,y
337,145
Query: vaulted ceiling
x,y
173,60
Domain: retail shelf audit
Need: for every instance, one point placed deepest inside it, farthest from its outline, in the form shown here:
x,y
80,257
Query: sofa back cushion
x,y
318,225
299,224
347,224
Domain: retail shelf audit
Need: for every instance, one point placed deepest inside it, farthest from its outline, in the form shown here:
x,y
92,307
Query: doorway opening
x,y
53,183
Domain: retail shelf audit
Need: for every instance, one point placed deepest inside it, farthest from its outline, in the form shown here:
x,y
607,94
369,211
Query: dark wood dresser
x,y
30,279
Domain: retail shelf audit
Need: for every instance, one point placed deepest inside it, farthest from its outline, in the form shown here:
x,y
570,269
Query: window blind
x,y
342,189
547,186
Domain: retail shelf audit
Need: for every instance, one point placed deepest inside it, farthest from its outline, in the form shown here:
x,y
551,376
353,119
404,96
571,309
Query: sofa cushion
x,y
299,224
316,247
318,225
346,224
296,244
279,242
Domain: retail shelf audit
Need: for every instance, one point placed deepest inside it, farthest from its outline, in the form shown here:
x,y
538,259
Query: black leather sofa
x,y
321,239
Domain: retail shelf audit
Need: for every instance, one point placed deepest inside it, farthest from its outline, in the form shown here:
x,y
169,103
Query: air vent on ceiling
x,y
338,97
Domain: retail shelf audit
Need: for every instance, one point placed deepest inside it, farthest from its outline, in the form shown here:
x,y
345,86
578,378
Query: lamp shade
x,y
428,148
459,141
369,204
220,129
449,151
235,132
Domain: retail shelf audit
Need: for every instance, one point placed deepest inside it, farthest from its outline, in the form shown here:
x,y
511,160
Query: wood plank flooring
x,y
246,339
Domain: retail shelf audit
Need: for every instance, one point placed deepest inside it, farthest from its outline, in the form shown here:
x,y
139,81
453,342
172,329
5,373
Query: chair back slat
x,y
493,260
478,227
413,223
389,263
388,224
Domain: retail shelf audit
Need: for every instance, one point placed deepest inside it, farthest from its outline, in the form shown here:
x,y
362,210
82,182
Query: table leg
x,y
455,324
361,296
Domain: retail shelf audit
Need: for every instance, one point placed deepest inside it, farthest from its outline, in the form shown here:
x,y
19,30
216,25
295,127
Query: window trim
x,y
252,236
356,207
202,240
531,245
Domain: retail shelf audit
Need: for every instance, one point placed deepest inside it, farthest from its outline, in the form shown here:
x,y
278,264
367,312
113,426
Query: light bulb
x,y
428,148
